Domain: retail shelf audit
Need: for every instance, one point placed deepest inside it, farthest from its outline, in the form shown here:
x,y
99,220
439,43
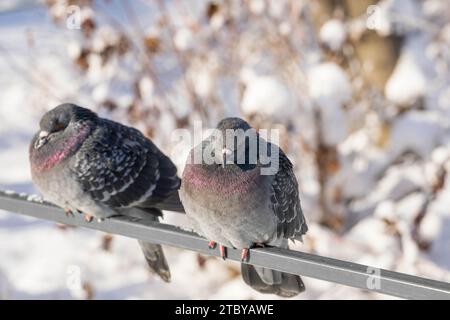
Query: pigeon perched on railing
x,y
84,163
240,203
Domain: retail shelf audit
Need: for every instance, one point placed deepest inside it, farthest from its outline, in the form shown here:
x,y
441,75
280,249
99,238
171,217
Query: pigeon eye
x,y
59,126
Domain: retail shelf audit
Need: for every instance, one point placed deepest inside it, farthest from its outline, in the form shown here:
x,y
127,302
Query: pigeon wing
x,y
285,201
119,167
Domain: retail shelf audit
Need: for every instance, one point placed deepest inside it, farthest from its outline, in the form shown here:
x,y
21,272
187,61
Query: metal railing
x,y
295,262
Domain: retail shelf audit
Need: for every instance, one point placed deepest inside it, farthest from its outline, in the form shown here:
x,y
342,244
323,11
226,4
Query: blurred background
x,y
360,91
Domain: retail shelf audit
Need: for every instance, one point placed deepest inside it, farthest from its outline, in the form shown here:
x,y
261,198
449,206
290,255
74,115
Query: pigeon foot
x,y
245,254
212,244
223,252
69,212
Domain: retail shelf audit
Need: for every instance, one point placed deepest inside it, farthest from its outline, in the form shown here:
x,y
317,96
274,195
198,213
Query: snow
x,y
217,21
74,49
430,227
394,16
35,198
257,6
381,247
410,206
183,39
146,89
203,82
407,83
267,96
434,7
330,89
417,131
333,34
104,37
284,28
329,85
400,181
277,7
440,155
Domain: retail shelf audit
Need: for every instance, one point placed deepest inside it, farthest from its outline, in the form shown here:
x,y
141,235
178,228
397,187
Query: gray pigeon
x,y
84,163
233,204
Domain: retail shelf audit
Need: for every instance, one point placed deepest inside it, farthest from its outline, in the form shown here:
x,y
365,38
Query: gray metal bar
x,y
295,262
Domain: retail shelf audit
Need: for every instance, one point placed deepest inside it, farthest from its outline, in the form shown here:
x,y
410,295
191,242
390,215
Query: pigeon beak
x,y
225,153
42,139
43,134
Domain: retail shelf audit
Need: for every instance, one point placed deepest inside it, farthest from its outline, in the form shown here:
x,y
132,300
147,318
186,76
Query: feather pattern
x,y
119,167
285,201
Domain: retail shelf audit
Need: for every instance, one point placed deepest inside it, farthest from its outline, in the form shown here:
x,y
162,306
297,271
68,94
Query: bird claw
x,y
69,213
245,254
223,252
223,249
212,245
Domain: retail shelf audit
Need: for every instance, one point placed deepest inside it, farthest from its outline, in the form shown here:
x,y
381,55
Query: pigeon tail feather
x,y
156,260
268,281
153,253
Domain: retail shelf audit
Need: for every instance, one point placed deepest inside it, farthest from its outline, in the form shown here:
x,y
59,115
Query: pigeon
x,y
232,201
88,164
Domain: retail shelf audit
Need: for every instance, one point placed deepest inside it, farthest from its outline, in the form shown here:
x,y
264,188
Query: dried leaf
x,y
88,26
134,112
123,45
152,44
384,136
80,3
337,195
64,227
439,182
333,221
333,165
107,53
182,122
150,132
109,105
107,242
89,290
391,227
201,261
82,60
212,9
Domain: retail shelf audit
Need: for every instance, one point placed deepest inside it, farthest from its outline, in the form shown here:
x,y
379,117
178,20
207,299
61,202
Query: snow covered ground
x,y
384,196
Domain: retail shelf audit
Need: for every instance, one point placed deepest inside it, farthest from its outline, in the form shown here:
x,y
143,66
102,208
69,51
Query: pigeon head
x,y
232,143
222,163
233,124
62,130
60,121
56,119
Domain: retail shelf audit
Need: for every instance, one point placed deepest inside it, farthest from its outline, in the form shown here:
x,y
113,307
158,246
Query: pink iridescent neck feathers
x,y
201,179
68,147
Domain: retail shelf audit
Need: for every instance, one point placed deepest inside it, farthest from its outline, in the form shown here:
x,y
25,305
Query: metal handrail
x,y
295,262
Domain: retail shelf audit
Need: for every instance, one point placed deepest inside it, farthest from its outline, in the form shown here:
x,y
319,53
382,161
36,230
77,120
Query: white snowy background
x,y
371,158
